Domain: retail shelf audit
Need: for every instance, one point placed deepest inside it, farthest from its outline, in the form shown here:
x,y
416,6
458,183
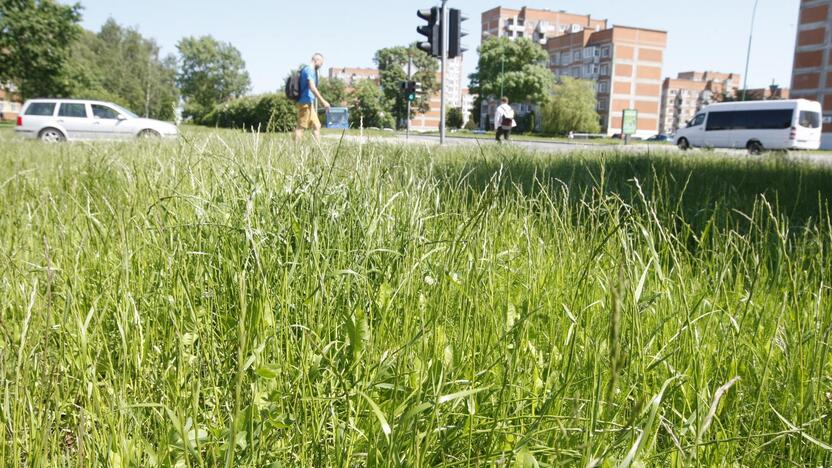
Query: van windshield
x,y
809,119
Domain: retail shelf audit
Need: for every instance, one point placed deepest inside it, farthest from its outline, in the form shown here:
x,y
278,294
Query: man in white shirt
x,y
504,119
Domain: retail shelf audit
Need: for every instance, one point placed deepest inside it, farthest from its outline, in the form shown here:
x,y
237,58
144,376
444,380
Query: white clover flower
x,y
429,280
455,277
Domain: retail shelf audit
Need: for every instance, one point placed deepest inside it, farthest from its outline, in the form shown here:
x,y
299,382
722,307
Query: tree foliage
x,y
571,108
121,66
35,41
392,65
334,91
514,68
370,107
210,73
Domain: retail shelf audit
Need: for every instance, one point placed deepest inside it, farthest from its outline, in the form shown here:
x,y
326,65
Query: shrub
x,y
455,118
268,112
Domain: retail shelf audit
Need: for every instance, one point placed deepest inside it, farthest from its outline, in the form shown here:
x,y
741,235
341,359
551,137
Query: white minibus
x,y
755,125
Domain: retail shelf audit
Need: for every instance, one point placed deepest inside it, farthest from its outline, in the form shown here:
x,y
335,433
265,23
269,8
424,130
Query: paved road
x,y
561,147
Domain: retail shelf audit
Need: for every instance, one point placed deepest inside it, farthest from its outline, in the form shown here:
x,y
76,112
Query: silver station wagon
x,y
55,120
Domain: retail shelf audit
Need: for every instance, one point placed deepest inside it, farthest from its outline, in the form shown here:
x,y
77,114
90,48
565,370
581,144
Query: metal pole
x,y
502,74
748,55
409,65
442,79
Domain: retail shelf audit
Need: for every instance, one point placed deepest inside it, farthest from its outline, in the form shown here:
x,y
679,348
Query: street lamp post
x,y
748,55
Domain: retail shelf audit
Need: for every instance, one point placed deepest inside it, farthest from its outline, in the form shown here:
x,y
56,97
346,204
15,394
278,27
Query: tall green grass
x,y
233,300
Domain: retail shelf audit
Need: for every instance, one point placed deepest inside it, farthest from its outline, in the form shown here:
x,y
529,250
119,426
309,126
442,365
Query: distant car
x,y
55,120
659,138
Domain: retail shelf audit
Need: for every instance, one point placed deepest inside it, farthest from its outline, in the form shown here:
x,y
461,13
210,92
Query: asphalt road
x,y
561,147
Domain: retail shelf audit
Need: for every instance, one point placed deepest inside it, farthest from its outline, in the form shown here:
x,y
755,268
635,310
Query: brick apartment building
x,y
812,75
625,62
537,25
626,65
9,105
456,94
685,95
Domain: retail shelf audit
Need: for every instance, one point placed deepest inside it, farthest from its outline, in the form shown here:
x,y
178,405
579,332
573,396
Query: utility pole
x,y
444,46
748,55
409,77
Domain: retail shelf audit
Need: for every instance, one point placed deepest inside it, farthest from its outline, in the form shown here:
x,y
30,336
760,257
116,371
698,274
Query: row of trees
x,y
45,52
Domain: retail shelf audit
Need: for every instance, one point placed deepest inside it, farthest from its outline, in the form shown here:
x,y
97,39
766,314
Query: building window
x,y
576,72
2,107
605,51
605,70
576,56
602,105
520,34
603,86
564,58
589,52
555,58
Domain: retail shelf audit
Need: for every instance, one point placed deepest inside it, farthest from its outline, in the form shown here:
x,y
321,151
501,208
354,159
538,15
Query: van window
x,y
41,108
699,120
774,119
809,119
73,109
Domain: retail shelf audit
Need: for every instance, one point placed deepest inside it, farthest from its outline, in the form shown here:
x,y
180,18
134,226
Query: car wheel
x,y
683,144
51,135
754,148
149,134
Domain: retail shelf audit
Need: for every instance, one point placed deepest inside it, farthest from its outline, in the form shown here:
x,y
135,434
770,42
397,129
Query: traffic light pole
x,y
409,65
442,80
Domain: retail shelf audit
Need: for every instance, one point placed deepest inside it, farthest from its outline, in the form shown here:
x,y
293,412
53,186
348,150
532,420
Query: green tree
x,y
211,72
571,108
370,107
120,65
454,119
36,37
516,68
392,66
334,91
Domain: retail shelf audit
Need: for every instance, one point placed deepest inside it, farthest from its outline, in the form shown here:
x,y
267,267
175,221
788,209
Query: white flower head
x,y
429,280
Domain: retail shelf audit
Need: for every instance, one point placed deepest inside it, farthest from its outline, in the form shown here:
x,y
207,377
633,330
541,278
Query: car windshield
x,y
124,111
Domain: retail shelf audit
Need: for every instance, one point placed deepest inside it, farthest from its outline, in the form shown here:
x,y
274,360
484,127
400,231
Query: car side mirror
x,y
121,117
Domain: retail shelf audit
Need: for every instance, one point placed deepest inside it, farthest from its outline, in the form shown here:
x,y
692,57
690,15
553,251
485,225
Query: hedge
x,y
268,112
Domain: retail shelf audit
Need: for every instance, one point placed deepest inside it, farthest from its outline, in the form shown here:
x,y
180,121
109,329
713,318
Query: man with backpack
x,y
302,86
504,120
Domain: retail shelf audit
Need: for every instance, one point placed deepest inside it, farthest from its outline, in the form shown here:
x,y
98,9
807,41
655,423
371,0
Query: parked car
x,y
755,126
659,138
54,120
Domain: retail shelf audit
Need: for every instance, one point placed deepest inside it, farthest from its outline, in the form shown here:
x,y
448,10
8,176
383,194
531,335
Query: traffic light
x,y
411,90
455,33
432,31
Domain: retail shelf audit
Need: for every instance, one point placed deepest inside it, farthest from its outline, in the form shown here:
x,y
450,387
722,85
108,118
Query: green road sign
x,y
629,121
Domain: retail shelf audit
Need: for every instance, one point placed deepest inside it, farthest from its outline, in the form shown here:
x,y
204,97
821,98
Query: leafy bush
x,y
268,112
455,118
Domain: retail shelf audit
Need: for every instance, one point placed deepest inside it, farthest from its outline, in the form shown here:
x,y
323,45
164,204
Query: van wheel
x,y
51,135
754,148
149,134
683,144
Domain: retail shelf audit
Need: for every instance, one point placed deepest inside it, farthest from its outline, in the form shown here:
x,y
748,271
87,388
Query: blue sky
x,y
276,35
